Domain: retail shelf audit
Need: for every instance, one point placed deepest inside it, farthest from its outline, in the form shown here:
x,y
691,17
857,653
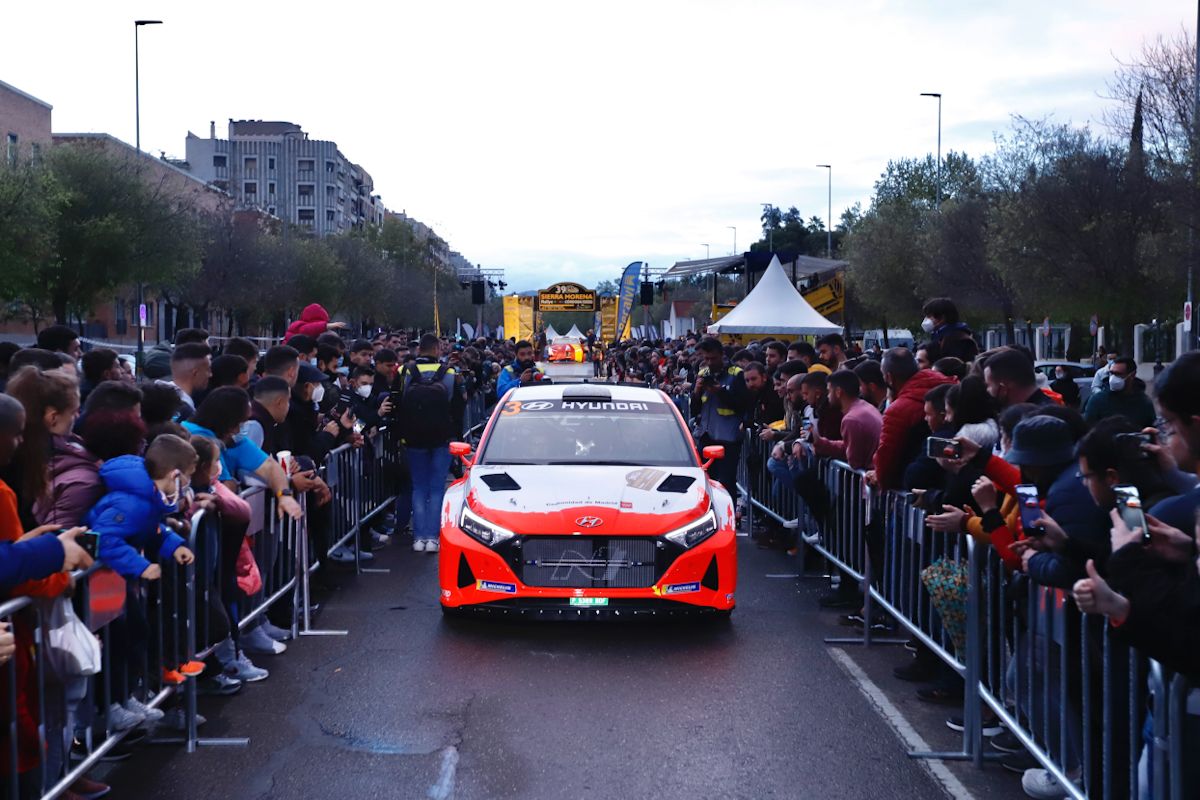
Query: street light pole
x,y
938,95
829,223
707,254
734,229
137,134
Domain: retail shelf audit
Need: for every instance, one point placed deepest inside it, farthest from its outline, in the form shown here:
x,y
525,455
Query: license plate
x,y
589,601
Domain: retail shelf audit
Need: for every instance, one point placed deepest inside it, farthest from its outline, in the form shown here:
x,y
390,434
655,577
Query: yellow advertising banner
x,y
608,319
721,309
512,315
828,297
525,327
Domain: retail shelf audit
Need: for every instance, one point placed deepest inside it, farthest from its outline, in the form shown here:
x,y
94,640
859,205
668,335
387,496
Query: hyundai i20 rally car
x,y
587,500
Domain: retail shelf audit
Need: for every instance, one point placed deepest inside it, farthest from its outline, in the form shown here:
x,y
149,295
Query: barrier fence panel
x,y
1071,693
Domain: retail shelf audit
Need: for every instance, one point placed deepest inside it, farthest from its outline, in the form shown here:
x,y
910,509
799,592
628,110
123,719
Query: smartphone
x,y
90,542
358,426
937,447
1129,506
1138,440
1031,509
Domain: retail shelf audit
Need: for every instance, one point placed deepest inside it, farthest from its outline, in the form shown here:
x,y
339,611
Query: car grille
x,y
585,562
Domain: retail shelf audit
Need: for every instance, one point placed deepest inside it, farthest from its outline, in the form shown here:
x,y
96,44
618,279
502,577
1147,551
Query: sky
x,y
563,140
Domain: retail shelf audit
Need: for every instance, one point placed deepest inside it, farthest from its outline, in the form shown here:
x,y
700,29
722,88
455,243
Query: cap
x,y
1041,441
310,374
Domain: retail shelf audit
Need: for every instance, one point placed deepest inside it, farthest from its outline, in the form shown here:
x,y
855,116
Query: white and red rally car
x,y
587,500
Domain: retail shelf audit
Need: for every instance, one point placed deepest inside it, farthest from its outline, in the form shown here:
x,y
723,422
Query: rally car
x,y
587,501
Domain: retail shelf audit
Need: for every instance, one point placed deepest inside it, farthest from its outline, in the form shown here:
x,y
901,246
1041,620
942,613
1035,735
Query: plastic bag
x,y
249,579
72,650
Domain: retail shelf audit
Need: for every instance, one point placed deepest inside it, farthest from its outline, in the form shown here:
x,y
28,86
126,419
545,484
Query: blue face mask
x,y
343,371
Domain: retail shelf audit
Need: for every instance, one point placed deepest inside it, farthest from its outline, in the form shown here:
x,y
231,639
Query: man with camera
x,y
521,372
719,403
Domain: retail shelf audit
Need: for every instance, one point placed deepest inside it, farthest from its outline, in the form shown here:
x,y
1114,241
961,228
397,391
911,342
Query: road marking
x,y
743,535
444,788
786,575
904,730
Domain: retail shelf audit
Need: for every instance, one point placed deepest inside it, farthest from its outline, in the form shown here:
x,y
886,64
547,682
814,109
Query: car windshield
x,y
614,433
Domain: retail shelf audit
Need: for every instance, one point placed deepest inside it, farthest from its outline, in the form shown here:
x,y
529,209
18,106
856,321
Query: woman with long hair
x,y
51,402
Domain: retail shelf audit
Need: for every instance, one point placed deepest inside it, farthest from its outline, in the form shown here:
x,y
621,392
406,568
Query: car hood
x,y
588,499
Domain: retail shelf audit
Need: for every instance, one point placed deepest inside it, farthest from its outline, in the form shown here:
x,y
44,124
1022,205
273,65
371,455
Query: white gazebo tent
x,y
551,334
575,333
774,306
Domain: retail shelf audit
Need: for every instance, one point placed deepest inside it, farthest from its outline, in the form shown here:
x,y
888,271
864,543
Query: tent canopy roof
x,y
774,306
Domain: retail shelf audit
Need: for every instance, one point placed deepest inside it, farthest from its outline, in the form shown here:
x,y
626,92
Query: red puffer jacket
x,y
313,321
903,414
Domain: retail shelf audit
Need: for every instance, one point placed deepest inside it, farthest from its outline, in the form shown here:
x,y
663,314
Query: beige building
x,y
24,125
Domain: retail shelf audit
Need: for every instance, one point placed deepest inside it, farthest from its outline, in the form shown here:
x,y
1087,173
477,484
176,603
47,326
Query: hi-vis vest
x,y
720,422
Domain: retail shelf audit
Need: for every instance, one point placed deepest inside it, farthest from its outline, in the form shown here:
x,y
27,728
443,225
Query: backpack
x,y
425,407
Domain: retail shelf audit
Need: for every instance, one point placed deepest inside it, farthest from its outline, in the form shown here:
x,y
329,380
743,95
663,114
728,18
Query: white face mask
x,y
927,325
318,393
1116,383
364,391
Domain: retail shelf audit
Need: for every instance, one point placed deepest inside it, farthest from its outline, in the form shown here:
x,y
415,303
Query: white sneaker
x,y
1041,784
121,719
431,546
244,670
256,642
135,706
176,720
419,545
811,539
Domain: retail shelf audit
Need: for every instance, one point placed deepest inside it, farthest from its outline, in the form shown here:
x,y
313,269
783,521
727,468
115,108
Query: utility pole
x,y
1191,272
137,135
829,223
938,95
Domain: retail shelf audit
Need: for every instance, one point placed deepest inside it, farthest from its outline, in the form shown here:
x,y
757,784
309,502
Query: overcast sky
x,y
564,140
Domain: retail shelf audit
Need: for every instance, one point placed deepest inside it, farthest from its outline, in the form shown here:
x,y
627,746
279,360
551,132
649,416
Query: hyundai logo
x,y
589,522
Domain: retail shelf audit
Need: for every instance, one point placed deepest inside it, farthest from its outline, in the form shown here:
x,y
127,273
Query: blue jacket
x,y
509,379
1070,504
129,518
32,560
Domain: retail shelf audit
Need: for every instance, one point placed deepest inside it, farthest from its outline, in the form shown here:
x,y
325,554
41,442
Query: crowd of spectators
x,y
89,454
972,437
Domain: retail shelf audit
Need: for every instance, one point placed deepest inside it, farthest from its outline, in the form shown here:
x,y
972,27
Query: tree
x,y
109,228
29,199
1160,80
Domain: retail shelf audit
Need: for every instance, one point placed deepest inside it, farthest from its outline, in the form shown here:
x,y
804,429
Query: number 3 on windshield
x,y
511,407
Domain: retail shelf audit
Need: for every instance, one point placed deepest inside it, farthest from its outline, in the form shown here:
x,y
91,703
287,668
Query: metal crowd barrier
x,y
1071,694
146,630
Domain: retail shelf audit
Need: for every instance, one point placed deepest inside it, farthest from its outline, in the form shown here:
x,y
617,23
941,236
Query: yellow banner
x,y
608,319
828,297
525,328
512,316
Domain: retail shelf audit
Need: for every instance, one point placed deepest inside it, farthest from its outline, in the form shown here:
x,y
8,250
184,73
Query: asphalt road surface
x,y
412,706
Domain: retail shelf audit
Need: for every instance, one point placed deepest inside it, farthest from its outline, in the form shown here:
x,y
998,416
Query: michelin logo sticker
x,y
678,588
495,586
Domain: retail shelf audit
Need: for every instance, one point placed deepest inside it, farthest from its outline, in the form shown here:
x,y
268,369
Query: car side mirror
x,y
712,453
463,451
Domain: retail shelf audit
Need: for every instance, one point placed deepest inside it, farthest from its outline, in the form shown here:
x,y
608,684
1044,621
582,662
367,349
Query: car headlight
x,y
479,528
696,531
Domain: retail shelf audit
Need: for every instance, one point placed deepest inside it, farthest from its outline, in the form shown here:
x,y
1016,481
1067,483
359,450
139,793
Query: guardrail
x,y
1072,695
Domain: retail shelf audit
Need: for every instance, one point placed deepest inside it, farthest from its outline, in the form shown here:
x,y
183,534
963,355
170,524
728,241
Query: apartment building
x,y
278,168
24,126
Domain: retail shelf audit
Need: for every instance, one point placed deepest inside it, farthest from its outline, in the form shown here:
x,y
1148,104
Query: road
x,y
412,706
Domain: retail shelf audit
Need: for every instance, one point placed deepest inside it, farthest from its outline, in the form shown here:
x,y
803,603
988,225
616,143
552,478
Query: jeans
x,y
429,468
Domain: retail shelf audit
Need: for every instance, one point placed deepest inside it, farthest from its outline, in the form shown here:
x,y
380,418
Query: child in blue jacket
x,y
141,493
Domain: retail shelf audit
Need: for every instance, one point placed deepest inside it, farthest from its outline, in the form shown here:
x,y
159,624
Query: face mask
x,y
1116,383
364,391
927,325
343,371
1060,375
318,393
313,361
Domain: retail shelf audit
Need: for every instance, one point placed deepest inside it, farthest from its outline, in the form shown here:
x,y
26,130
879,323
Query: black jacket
x,y
1164,607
